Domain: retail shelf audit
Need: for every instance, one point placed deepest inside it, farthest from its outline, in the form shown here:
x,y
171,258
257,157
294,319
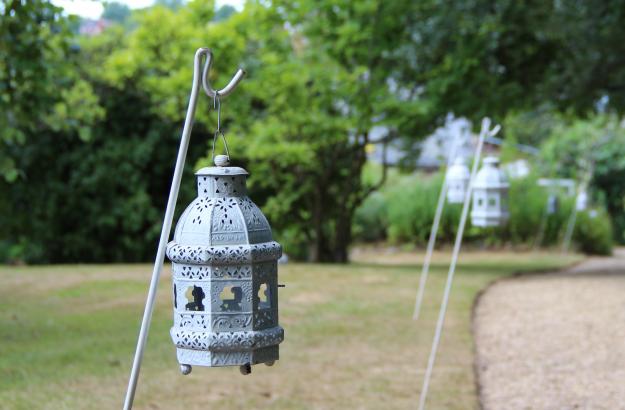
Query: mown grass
x,y
67,336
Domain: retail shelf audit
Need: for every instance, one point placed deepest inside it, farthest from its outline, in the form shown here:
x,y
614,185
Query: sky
x,y
93,9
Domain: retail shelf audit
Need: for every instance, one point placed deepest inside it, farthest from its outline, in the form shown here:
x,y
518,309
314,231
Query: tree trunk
x,y
333,249
342,238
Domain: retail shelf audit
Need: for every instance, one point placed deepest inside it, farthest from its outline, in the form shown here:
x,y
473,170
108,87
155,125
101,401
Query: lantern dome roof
x,y
458,170
222,214
490,176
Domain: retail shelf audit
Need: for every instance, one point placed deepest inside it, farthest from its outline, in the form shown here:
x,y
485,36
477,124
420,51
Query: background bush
x,y
593,232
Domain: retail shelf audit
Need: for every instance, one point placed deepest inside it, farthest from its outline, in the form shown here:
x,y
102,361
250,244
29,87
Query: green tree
x,y
300,122
321,75
224,12
116,12
39,91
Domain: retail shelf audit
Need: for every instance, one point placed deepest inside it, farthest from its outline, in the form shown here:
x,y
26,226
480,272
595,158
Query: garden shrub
x,y
527,207
411,208
404,211
593,232
370,219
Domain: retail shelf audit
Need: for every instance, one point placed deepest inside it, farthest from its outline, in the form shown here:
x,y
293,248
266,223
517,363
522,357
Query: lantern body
x,y
581,202
458,176
224,265
490,195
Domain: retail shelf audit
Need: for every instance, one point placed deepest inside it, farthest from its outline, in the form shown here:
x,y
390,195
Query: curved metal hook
x,y
486,127
208,89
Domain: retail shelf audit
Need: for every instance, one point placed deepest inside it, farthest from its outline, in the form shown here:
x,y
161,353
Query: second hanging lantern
x,y
490,195
458,176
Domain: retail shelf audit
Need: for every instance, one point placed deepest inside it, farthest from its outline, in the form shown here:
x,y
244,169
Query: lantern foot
x,y
270,363
185,369
245,369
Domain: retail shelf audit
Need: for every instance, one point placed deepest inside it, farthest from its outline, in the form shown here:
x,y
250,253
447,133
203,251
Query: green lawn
x,y
67,336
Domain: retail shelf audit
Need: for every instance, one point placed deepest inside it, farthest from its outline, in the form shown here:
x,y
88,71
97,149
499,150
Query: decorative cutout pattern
x,y
231,297
264,271
195,295
226,216
200,208
227,341
192,320
215,272
265,318
191,271
187,254
263,295
222,186
232,272
245,299
224,255
222,323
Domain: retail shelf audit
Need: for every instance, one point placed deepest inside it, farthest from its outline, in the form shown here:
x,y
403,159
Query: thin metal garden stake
x,y
171,205
433,232
452,267
542,227
568,235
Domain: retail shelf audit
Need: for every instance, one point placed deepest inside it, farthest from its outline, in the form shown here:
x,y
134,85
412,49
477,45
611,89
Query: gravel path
x,y
554,341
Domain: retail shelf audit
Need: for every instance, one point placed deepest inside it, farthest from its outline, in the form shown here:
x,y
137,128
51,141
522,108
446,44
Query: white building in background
x,y
448,142
434,151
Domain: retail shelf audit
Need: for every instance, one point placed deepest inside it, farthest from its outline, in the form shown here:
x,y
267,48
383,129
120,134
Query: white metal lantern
x,y
224,277
490,195
458,176
581,202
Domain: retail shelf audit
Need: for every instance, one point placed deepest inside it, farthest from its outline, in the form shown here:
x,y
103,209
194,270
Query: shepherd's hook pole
x,y
171,205
433,232
454,259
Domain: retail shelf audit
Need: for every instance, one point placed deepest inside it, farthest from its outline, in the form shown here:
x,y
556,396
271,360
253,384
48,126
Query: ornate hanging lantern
x,y
581,202
224,261
458,176
490,195
224,277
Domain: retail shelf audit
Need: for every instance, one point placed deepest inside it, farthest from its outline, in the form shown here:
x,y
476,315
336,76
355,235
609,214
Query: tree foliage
x,y
90,126
593,148
116,12
39,89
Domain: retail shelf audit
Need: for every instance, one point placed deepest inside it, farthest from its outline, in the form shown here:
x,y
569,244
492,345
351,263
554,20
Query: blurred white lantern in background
x,y
490,195
581,202
458,176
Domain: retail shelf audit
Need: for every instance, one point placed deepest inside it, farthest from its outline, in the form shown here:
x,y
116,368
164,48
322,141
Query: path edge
x,y
476,301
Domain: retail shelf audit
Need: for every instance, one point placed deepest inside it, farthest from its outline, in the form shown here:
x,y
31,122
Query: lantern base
x,y
185,369
189,357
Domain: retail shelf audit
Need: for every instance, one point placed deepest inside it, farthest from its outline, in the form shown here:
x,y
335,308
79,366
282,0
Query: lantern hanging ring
x,y
220,159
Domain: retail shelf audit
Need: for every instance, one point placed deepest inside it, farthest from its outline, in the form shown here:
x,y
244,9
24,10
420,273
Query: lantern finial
x,y
222,160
